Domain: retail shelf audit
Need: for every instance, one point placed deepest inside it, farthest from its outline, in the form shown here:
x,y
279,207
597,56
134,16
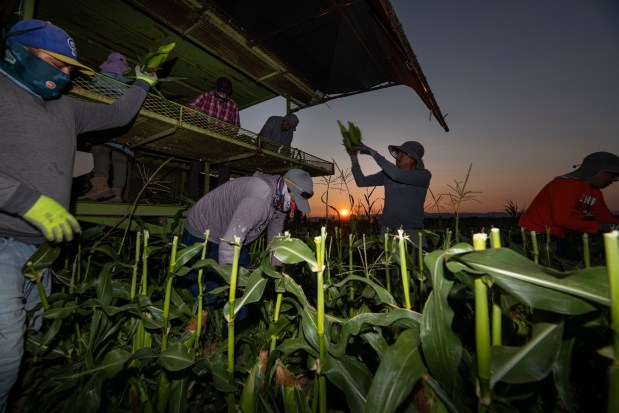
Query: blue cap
x,y
48,38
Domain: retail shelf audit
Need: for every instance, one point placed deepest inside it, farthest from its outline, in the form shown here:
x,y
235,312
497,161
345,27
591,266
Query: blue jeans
x,y
17,296
212,279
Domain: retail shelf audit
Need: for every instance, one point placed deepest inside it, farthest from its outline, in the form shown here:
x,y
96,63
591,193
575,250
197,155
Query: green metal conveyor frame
x,y
165,130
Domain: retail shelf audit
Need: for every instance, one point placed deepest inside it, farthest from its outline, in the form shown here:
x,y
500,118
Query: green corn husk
x,y
351,136
154,60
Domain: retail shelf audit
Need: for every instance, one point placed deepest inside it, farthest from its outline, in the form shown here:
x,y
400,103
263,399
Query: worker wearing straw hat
x,y
38,140
565,203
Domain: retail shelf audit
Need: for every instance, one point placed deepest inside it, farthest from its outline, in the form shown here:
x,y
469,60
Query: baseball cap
x,y
301,185
593,164
224,85
48,38
412,148
292,119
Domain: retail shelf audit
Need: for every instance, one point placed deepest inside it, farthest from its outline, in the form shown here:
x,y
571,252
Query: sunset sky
x,y
528,89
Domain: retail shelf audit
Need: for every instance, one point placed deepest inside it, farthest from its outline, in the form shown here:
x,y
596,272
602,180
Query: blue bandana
x,y
30,72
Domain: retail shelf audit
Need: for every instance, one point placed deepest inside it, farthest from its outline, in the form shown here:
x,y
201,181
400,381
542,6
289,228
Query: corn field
x,y
352,322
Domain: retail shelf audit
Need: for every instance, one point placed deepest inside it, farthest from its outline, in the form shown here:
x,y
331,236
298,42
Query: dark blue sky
x,y
529,88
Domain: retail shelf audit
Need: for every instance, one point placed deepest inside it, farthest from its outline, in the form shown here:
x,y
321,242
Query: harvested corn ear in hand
x,y
351,136
154,60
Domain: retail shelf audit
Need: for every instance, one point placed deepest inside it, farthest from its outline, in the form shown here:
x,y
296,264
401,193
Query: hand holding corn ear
x,y
150,79
364,149
147,70
351,136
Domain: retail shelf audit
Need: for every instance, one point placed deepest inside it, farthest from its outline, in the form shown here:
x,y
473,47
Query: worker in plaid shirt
x,y
217,103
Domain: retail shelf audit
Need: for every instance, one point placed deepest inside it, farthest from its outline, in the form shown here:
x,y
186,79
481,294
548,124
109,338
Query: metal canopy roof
x,y
308,52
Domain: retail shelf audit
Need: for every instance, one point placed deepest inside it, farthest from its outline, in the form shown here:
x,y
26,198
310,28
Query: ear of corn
x,y
351,136
154,60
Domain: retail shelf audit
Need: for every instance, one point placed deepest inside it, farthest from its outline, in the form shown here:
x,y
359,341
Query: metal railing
x,y
157,107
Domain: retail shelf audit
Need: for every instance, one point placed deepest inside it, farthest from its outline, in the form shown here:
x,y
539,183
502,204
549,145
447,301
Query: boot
x,y
118,195
98,190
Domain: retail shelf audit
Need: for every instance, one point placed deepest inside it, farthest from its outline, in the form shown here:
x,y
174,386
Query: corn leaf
x,y
176,357
530,362
441,346
352,377
539,287
396,375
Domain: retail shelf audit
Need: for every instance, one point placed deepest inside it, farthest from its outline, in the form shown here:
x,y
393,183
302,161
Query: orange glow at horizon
x,y
344,212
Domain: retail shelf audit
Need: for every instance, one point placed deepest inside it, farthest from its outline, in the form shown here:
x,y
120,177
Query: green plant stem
x,y
523,235
497,316
320,322
534,247
144,283
365,259
447,238
278,306
585,250
420,254
143,337
403,270
351,290
422,275
168,295
387,257
482,329
231,335
134,276
42,294
201,289
611,248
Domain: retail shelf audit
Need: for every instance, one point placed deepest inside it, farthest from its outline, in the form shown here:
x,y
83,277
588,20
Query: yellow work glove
x,y
150,79
52,220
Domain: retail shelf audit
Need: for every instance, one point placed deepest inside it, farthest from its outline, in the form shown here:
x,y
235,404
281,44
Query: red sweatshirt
x,y
562,206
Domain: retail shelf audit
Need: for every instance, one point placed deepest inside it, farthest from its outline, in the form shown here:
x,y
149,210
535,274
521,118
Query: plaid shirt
x,y
208,103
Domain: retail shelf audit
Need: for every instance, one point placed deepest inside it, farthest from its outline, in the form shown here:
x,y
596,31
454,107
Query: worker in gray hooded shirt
x,y
406,185
245,207
280,128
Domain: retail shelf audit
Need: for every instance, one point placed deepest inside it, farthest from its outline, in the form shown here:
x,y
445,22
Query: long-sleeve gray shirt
x,y
38,143
405,192
273,129
242,207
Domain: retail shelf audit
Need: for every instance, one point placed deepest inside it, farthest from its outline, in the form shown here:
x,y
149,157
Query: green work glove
x,y
52,219
150,79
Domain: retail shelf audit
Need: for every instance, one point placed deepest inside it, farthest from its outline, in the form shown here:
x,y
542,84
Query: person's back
x,y
239,202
